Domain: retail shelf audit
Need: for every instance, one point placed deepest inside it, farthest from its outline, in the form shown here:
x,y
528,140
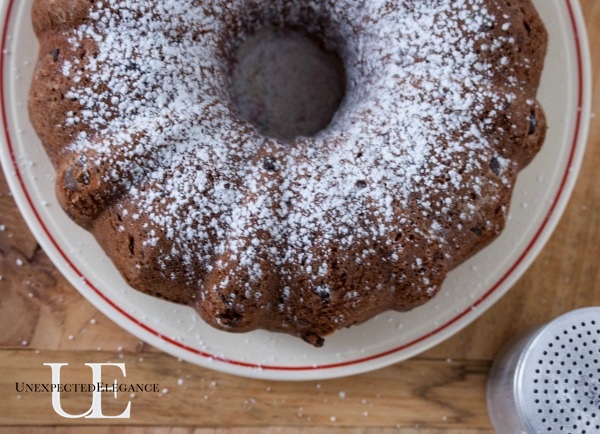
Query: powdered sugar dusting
x,y
413,133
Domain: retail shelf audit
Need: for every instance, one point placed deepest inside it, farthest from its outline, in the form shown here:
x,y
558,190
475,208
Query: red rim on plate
x,y
578,35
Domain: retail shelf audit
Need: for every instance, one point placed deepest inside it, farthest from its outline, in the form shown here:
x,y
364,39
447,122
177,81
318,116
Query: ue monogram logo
x,y
95,411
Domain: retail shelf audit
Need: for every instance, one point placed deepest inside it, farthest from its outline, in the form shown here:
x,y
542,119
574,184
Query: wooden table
x,y
43,319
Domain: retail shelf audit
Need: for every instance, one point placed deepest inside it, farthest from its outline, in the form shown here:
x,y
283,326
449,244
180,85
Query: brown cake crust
x,y
376,247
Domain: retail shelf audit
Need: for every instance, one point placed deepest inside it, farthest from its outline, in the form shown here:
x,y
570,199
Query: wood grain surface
x,y
43,319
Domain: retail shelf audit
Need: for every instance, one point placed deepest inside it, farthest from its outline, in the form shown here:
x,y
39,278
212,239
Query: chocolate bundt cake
x,y
414,173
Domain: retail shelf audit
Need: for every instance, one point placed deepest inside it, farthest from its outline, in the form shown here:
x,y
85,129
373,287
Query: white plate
x,y
539,199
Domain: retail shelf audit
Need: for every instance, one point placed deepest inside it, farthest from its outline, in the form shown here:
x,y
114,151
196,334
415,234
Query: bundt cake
x,y
308,235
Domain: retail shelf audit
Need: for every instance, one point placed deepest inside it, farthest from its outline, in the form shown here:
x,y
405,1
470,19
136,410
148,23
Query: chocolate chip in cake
x,y
533,123
495,166
324,293
132,66
487,25
476,230
230,318
131,245
270,164
313,339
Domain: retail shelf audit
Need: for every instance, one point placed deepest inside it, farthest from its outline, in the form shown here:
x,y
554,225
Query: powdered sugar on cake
x,y
414,132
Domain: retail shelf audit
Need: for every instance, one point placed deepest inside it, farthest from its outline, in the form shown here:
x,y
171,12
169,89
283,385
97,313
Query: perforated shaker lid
x,y
558,383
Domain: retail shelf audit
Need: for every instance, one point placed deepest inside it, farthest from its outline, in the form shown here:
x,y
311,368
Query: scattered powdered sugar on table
x,y
410,131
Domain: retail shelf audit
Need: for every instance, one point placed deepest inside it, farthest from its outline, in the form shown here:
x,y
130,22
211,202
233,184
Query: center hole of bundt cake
x,y
286,84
